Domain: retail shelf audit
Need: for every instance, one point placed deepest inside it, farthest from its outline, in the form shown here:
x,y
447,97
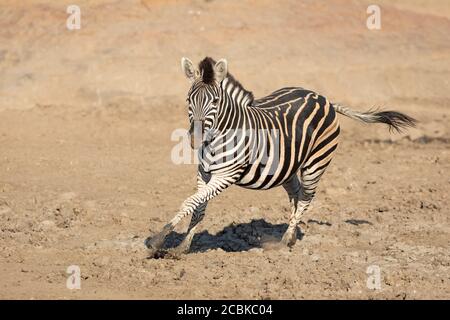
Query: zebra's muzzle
x,y
196,133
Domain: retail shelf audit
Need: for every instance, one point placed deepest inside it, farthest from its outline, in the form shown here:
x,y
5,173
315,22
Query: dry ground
x,y
86,119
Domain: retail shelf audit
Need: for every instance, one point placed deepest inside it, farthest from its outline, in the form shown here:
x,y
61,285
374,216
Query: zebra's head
x,y
204,96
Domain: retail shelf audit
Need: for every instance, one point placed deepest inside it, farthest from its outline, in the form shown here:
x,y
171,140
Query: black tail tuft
x,y
395,120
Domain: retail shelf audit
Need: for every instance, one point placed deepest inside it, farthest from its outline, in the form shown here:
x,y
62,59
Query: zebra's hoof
x,y
155,242
148,242
288,240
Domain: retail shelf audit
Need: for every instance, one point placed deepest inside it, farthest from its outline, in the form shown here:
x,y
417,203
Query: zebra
x,y
297,128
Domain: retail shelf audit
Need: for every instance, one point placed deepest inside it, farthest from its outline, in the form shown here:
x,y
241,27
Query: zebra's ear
x,y
188,68
221,69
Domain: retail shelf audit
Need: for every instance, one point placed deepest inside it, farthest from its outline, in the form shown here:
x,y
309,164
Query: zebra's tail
x,y
395,120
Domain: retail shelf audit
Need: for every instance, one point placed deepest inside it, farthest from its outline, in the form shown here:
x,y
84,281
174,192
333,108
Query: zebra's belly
x,y
260,177
257,186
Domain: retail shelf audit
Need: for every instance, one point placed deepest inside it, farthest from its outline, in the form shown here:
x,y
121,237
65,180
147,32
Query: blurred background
x,y
131,49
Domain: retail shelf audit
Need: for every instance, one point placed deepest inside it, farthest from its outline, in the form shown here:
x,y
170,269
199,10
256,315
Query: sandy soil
x,y
85,143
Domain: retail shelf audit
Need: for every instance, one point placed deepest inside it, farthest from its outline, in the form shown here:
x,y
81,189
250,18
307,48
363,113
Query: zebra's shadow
x,y
234,237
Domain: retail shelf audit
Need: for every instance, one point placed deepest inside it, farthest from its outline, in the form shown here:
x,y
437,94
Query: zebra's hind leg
x,y
293,189
301,194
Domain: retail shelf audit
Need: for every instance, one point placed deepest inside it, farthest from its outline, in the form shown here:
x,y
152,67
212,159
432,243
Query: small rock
x,y
254,209
181,275
101,262
47,225
388,280
315,257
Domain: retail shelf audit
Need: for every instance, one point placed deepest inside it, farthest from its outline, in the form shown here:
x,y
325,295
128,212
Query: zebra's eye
x,y
216,100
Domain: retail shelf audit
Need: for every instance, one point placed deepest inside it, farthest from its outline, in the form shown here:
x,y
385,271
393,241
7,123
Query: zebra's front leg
x,y
215,186
197,216
185,245
155,243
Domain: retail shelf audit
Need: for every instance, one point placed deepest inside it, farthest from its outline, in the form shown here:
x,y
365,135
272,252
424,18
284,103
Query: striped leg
x,y
215,186
294,189
197,216
300,196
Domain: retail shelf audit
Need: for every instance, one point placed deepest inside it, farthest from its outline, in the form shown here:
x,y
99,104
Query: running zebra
x,y
285,139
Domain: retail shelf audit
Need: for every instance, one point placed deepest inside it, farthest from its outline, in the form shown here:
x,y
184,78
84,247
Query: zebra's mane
x,y
206,67
235,83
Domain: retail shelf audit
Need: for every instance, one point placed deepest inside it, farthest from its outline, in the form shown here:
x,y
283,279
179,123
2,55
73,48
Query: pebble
x,y
47,225
315,257
254,209
101,262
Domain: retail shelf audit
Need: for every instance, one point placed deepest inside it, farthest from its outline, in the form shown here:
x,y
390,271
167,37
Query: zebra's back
x,y
301,131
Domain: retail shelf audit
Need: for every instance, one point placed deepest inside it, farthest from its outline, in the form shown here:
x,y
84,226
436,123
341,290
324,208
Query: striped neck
x,y
234,102
235,92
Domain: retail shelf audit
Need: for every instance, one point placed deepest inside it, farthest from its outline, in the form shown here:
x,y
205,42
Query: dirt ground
x,y
86,118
